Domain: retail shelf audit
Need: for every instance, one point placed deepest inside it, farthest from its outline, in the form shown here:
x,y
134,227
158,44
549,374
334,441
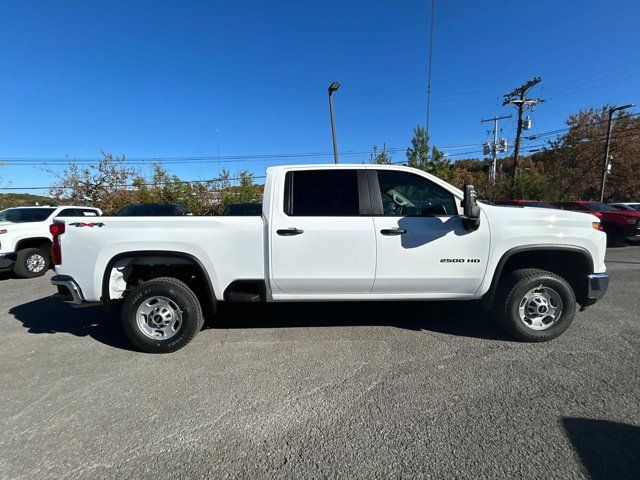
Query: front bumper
x,y
597,286
68,289
7,260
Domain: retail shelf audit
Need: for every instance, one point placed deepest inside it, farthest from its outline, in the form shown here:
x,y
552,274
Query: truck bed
x,y
227,247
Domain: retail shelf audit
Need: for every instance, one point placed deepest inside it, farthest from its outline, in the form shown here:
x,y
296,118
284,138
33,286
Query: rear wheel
x,y
31,262
161,315
535,305
614,235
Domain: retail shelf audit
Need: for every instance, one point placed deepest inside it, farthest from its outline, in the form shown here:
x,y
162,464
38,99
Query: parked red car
x,y
618,224
525,203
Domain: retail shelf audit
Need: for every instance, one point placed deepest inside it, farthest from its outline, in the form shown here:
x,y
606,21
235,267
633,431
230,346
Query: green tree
x,y
431,160
381,157
573,162
245,192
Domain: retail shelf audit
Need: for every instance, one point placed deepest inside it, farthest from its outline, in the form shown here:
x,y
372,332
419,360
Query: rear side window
x,y
78,212
322,193
68,212
87,212
406,194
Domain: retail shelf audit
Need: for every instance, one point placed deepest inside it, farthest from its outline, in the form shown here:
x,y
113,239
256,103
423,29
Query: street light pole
x,y
332,88
605,166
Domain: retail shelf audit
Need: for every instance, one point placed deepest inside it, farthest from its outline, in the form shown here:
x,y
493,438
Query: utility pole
x,y
518,97
495,146
433,11
332,88
605,167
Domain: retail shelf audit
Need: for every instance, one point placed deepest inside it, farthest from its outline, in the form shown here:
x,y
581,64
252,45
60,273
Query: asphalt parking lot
x,y
386,390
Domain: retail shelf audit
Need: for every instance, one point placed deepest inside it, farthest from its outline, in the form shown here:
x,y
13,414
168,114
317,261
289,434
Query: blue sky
x,y
159,78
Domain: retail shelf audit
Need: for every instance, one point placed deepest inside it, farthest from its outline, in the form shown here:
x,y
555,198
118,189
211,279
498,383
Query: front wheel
x,y
161,315
31,262
535,305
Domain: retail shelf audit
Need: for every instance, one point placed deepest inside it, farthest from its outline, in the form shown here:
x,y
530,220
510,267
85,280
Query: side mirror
x,y
471,209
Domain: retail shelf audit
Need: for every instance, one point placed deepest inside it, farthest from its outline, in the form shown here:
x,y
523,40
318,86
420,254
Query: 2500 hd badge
x,y
459,260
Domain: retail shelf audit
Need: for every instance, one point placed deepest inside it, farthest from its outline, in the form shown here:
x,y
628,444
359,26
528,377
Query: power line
x,y
200,159
566,129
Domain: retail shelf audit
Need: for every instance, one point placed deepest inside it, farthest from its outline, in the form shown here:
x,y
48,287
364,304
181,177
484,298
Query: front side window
x,y
322,193
25,215
600,207
406,194
577,207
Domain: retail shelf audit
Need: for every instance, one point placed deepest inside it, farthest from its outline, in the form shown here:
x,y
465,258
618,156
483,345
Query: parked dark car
x,y
525,203
243,209
618,224
154,210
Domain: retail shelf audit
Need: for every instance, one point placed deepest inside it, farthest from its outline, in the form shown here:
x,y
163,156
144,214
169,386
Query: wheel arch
x,y
33,242
161,254
545,257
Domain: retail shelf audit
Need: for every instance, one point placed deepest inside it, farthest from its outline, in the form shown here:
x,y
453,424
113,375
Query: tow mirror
x,y
471,209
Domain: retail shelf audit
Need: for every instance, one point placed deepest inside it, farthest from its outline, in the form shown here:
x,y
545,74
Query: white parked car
x,y
337,232
25,240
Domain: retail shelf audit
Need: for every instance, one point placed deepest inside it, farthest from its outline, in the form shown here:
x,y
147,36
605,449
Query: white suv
x,y
25,241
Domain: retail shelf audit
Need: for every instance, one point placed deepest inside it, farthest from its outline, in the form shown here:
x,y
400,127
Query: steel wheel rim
x,y
540,308
35,263
159,318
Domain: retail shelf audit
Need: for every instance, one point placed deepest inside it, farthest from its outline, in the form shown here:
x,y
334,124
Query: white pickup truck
x,y
337,232
25,239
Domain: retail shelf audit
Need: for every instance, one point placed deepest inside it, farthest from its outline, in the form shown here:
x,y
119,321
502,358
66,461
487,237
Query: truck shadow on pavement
x,y
49,316
607,450
465,319
468,319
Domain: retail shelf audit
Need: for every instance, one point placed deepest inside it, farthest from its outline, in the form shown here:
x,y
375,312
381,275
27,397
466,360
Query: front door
x,y
423,246
321,244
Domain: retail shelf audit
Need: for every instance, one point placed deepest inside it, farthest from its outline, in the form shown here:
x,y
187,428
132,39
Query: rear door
x,y
322,237
423,246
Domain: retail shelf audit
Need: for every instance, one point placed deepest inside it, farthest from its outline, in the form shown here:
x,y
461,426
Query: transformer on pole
x,y
497,145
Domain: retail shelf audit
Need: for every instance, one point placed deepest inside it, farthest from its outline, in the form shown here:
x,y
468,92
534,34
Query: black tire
x,y
512,293
614,235
31,262
180,294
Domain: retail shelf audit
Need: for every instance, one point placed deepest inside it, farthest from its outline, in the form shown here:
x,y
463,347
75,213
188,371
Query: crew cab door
x,y
321,241
423,246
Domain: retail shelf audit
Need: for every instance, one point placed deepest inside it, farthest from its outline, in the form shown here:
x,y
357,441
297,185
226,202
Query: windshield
x,y
600,207
24,215
152,211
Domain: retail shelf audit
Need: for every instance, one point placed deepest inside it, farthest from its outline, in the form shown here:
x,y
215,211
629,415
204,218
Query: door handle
x,y
289,232
393,231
